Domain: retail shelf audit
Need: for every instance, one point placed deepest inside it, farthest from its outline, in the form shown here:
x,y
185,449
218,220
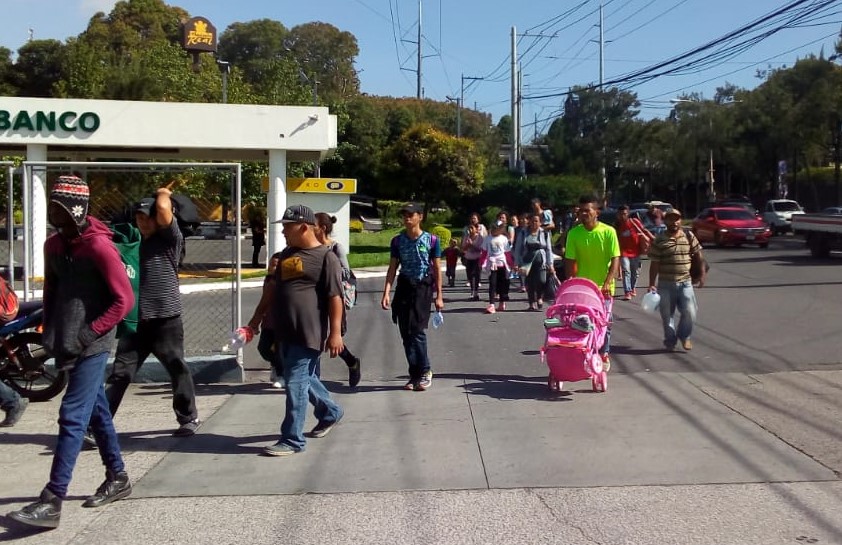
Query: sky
x,y
472,38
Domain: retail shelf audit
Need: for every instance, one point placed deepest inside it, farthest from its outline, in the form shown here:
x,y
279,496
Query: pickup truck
x,y
822,232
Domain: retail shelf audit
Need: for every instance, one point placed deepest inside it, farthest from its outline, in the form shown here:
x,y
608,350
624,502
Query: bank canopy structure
x,y
45,129
83,132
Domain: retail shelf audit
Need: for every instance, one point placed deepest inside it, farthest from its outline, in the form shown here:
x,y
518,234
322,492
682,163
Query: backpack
x,y
349,284
9,305
126,238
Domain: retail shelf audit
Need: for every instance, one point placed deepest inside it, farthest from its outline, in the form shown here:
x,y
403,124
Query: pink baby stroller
x,y
576,325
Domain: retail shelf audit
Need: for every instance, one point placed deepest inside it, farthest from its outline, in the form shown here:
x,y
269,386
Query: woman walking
x,y
472,251
496,246
536,257
324,228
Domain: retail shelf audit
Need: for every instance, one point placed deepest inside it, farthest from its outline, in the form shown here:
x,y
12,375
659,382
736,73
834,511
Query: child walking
x,y
451,257
419,255
266,344
472,250
497,265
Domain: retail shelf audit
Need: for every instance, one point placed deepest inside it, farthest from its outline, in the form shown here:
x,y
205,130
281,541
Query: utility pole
x,y
418,73
461,103
515,122
601,90
519,150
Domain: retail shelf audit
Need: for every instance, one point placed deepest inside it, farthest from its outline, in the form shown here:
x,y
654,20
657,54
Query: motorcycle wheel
x,y
39,380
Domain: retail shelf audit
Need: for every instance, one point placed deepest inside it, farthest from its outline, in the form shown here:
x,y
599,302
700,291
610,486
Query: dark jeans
x,y
84,402
472,269
498,285
269,352
303,386
536,280
255,256
415,347
164,338
8,398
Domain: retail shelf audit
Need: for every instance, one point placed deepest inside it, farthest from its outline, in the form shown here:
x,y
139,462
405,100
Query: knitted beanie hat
x,y
72,194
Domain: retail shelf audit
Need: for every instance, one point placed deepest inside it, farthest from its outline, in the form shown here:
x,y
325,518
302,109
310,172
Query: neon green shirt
x,y
592,251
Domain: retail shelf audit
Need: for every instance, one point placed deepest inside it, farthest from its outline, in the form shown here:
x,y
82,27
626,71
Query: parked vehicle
x,y
832,210
737,203
730,226
25,364
821,232
778,214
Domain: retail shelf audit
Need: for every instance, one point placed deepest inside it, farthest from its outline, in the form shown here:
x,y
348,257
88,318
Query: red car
x,y
731,225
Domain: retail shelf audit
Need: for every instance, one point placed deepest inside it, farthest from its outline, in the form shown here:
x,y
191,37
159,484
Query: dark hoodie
x,y
86,294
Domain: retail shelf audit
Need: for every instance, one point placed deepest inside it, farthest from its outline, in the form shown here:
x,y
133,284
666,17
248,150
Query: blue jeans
x,y
303,385
415,348
9,398
84,402
630,267
677,295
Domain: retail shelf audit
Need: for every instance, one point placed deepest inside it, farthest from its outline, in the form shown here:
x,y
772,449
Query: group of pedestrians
x,y
86,295
301,313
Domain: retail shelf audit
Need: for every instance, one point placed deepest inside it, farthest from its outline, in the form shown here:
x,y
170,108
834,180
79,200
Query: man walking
x,y
86,294
306,302
419,255
160,330
670,258
593,252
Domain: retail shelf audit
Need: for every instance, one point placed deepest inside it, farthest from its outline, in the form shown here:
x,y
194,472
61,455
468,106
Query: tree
x,y
7,74
326,54
255,47
38,67
433,167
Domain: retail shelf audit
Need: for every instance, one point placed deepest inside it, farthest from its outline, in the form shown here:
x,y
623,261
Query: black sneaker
x,y
322,429
115,487
354,373
13,415
44,513
187,429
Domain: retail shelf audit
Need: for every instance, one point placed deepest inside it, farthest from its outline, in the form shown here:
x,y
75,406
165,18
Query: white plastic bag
x,y
650,301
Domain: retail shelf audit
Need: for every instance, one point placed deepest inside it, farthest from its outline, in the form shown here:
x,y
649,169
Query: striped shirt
x,y
674,255
159,295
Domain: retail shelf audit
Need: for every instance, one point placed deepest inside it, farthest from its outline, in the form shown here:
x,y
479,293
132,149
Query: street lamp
x,y
225,68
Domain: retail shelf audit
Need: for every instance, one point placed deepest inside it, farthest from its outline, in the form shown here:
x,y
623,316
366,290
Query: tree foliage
x,y
433,167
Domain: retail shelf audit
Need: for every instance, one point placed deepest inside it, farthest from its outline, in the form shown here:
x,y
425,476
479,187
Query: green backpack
x,y
126,238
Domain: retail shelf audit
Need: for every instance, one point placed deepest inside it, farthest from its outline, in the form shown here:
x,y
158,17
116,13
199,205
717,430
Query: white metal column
x,y
276,201
38,207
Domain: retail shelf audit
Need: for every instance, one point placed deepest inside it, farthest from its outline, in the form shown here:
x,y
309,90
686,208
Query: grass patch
x,y
371,249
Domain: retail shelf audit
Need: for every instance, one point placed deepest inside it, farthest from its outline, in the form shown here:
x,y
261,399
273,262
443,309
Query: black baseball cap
x,y
298,213
144,206
412,208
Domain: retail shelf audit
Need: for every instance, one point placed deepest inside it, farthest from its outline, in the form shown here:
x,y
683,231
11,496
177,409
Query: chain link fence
x,y
214,249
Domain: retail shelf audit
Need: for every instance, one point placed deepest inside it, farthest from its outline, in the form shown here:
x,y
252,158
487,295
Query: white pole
x,y
38,195
277,201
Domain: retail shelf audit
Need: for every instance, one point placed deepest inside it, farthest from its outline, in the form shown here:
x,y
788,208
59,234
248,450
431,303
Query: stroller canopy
x,y
581,291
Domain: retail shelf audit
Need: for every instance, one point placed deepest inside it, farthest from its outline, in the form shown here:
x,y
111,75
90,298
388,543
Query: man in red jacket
x,y
84,279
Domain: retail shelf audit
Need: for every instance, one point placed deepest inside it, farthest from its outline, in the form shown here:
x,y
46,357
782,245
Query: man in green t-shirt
x,y
593,252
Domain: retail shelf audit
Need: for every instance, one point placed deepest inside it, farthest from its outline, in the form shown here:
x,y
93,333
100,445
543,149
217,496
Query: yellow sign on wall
x,y
321,185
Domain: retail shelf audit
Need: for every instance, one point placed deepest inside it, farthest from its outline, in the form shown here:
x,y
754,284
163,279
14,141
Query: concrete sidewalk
x,y
660,458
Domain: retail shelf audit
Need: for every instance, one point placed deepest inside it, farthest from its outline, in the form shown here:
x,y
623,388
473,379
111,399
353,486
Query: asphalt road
x,y
763,310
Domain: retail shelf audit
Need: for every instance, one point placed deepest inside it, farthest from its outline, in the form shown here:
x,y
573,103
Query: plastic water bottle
x,y
650,301
438,319
238,338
